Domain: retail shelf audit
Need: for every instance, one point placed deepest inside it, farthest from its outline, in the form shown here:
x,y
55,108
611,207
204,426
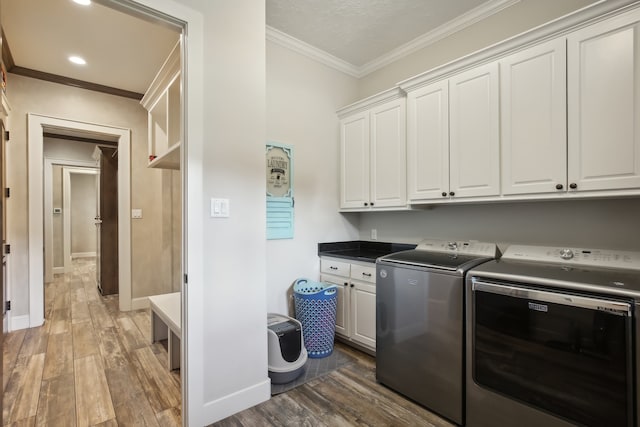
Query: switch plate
x,y
219,208
374,234
136,213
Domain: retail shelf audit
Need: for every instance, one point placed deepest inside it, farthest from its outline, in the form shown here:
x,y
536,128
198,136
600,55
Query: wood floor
x,y
348,396
89,364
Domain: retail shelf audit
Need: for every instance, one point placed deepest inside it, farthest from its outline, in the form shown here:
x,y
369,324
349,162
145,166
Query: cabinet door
x,y
363,313
428,142
388,155
604,105
533,125
474,136
342,301
354,161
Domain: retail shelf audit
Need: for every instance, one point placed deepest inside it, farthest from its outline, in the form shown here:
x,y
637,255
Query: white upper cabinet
x,y
428,142
354,161
604,105
373,154
474,146
388,154
533,119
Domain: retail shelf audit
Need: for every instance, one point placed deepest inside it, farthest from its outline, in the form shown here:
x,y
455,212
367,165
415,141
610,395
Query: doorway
x,y
37,126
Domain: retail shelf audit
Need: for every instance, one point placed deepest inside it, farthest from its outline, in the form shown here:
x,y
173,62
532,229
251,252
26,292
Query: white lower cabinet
x,y
356,303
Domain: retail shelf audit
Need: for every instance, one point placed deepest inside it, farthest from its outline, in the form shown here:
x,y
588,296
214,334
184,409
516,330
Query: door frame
x,y
66,197
49,268
37,125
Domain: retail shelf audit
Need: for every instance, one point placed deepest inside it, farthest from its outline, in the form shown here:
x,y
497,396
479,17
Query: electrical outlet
x,y
374,234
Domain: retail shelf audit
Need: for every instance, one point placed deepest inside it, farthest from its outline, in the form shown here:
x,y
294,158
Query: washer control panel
x,y
575,256
471,247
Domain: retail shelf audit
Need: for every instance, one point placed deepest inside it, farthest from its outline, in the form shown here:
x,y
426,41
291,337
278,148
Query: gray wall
x,y
605,224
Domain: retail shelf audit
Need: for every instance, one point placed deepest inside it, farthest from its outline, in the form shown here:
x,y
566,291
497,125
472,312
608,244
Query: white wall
x,y
302,98
83,213
516,19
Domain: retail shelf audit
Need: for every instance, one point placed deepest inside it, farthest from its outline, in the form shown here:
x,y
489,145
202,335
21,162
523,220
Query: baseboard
x,y
58,270
226,406
139,303
83,255
18,322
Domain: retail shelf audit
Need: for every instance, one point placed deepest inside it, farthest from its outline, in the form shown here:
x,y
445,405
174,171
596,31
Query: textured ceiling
x,y
360,31
121,51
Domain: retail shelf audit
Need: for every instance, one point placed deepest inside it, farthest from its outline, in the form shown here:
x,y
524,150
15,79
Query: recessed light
x,y
77,60
83,2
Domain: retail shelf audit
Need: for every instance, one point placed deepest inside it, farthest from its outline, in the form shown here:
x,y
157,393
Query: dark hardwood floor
x,y
348,396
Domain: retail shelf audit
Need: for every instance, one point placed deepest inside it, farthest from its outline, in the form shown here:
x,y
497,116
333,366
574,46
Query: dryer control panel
x,y
575,256
470,247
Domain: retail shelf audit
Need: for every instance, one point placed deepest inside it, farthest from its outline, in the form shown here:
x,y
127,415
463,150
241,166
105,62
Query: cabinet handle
x,y
559,186
451,193
573,185
346,284
371,203
366,274
444,194
366,204
352,285
333,267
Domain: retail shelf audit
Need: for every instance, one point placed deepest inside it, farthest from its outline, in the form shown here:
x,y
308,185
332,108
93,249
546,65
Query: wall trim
x,y
218,409
140,303
305,49
83,255
460,23
18,322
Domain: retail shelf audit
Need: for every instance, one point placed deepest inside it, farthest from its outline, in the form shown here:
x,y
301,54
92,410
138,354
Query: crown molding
x,y
477,14
471,17
292,43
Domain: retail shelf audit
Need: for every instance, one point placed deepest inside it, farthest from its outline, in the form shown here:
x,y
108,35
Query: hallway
x,y
89,364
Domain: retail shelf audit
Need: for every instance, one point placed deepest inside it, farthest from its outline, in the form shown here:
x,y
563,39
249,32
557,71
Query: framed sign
x,y
279,186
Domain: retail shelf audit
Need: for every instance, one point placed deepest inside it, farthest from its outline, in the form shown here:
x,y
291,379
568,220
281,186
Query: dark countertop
x,y
360,250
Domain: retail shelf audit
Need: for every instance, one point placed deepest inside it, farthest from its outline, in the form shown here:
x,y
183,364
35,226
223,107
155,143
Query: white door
x,y
428,142
474,132
533,120
388,154
354,161
342,302
604,105
363,313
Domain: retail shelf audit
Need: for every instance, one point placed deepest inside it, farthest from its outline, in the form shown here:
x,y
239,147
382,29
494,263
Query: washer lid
x,y
451,261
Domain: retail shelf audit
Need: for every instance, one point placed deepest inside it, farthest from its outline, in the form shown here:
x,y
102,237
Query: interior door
x,y
98,222
108,221
3,209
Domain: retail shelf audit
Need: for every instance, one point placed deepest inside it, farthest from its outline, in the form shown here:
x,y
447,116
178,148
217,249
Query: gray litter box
x,y
287,354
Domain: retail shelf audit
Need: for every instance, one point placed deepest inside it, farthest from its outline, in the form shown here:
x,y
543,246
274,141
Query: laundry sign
x,y
280,202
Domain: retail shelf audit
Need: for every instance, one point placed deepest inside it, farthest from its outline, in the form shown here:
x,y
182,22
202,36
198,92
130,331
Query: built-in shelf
x,y
162,101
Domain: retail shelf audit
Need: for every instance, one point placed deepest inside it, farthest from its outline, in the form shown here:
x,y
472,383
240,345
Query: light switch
x,y
219,208
136,213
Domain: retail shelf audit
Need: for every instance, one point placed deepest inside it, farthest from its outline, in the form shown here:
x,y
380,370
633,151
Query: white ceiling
x,y
121,51
125,52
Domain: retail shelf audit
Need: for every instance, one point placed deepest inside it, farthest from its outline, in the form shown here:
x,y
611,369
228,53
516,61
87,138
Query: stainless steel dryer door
x,y
567,354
